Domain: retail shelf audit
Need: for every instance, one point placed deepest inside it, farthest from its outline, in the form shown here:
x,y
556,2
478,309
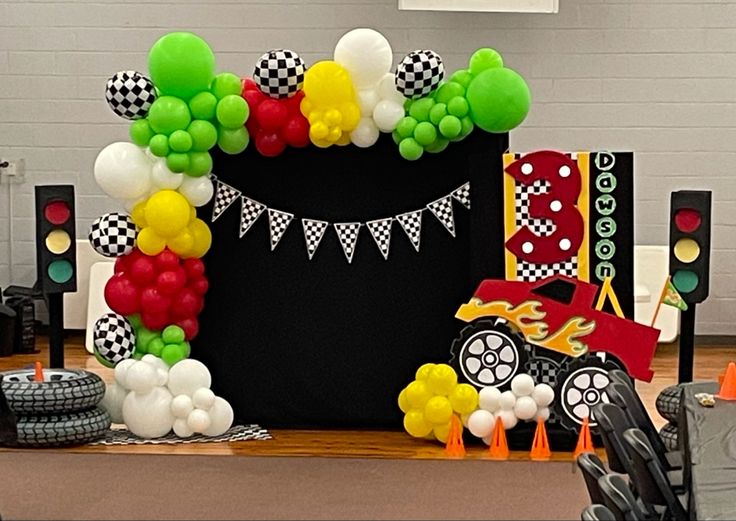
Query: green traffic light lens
x,y
60,271
685,281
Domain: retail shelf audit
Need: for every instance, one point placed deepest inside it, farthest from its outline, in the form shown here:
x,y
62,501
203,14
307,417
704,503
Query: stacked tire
x,y
668,406
61,410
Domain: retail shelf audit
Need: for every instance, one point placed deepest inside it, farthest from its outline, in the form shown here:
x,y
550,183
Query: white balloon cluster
x,y
130,174
151,399
367,56
525,401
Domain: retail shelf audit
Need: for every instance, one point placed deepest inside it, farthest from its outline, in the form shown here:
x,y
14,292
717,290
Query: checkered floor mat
x,y
235,433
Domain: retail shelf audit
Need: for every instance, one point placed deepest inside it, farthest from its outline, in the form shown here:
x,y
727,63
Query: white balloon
x,y
123,171
198,420
508,418
489,398
113,400
149,415
162,370
543,414
507,400
129,204
203,398
366,54
522,385
121,370
543,394
487,440
187,376
387,89
197,190
525,408
367,99
141,377
163,178
221,415
365,134
181,428
480,423
387,115
181,406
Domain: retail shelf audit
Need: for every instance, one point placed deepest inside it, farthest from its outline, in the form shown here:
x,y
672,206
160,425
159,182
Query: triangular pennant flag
x,y
462,194
672,297
411,222
347,233
381,231
442,209
278,221
250,211
224,197
313,232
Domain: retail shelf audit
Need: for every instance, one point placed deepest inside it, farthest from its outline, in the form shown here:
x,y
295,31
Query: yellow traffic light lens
x,y
58,242
687,250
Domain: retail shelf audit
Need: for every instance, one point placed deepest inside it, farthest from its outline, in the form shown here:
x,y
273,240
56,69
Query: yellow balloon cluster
x,y
429,402
167,219
329,104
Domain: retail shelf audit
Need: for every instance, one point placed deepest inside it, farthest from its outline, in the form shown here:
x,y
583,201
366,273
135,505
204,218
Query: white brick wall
x,y
654,76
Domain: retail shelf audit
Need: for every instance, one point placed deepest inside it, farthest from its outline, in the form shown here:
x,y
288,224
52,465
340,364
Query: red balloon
x,y
269,144
186,304
194,268
190,327
271,114
249,84
121,295
121,264
199,286
293,104
155,321
153,301
142,270
166,260
171,281
253,98
296,131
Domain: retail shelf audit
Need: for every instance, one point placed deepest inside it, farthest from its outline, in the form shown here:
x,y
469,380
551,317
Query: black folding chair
x,y
597,513
592,469
619,499
612,423
650,478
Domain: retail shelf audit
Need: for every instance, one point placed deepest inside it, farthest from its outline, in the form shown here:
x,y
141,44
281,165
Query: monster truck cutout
x,y
552,330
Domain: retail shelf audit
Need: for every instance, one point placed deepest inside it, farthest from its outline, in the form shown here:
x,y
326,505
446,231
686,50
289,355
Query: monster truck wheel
x,y
62,429
62,391
580,387
488,352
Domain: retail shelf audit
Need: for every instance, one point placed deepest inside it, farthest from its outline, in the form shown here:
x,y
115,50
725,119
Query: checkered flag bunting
x,y
462,194
314,230
411,222
381,232
250,211
225,196
278,221
347,233
442,209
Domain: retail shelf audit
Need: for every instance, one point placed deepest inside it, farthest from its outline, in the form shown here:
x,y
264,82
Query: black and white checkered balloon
x,y
114,338
419,73
130,94
279,73
113,235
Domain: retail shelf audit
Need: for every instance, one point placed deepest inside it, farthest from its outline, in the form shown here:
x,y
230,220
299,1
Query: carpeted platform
x,y
52,485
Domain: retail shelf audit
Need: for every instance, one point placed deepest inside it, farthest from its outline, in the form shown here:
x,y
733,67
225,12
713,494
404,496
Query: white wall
x,y
657,77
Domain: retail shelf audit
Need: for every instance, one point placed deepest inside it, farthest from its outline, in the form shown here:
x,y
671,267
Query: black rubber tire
x,y
62,429
63,391
509,337
669,434
668,403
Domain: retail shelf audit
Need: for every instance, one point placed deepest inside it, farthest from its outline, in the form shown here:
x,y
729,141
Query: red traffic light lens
x,y
57,212
688,220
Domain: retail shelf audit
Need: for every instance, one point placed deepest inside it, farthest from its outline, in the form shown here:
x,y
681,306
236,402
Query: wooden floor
x,y
710,362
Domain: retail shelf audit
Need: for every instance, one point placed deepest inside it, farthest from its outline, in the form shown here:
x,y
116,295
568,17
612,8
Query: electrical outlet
x,y
13,171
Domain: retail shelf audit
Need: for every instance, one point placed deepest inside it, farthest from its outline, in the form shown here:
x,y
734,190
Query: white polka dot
x,y
527,168
555,206
564,171
565,244
527,247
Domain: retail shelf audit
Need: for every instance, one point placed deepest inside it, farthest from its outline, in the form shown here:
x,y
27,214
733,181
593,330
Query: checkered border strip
x,y
235,433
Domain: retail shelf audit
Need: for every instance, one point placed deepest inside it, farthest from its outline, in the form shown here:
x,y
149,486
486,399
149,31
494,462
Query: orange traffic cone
x,y
540,447
38,376
455,448
728,387
585,440
499,448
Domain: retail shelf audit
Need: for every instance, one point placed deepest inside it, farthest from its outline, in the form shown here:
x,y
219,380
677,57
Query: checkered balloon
x,y
130,94
279,73
419,73
113,235
114,339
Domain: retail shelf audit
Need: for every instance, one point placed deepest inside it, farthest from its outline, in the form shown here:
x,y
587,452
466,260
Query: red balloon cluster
x,y
163,289
275,123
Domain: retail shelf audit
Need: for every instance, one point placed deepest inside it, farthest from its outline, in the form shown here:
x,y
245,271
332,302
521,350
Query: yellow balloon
x,y
182,244
319,130
442,379
415,425
167,212
404,402
333,117
192,213
327,83
417,394
350,116
438,410
322,143
202,238
423,371
149,242
139,215
334,135
442,432
306,107
464,398
344,139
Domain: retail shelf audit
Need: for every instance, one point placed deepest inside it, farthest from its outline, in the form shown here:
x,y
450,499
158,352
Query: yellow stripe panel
x,y
584,208
509,209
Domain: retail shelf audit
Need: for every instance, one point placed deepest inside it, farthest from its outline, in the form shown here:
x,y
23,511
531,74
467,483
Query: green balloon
x,y
159,145
438,112
180,141
173,353
447,91
172,335
420,109
232,111
181,64
406,127
233,141
177,162
137,355
100,359
200,163
410,149
396,136
468,127
156,346
499,100
425,133
204,135
450,126
438,146
168,114
141,133
463,77
203,105
458,107
187,349
143,338
225,84
483,59
135,321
